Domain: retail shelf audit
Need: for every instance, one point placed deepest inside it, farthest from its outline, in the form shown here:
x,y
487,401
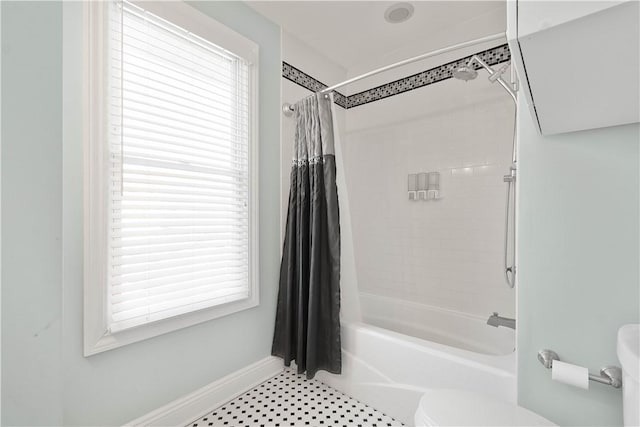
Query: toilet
x,y
448,407
444,407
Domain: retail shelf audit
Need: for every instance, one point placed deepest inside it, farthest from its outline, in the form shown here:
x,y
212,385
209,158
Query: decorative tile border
x,y
303,79
493,56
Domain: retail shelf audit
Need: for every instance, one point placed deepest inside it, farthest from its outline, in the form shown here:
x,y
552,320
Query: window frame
x,y
97,337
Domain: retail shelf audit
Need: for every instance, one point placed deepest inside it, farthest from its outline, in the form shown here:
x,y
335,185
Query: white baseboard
x,y
182,411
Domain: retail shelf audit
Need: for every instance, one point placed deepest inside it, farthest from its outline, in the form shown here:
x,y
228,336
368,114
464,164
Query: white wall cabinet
x,y
578,62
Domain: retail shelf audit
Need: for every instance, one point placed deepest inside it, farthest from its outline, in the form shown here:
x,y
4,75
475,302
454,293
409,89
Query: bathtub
x,y
453,328
390,370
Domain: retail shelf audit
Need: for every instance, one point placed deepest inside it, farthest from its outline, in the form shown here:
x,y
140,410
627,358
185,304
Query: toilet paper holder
x,y
609,375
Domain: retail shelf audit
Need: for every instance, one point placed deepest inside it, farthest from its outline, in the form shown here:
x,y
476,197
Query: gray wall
x,y
45,378
578,263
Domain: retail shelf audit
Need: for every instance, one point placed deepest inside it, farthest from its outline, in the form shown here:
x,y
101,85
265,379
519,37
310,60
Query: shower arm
x,y
494,76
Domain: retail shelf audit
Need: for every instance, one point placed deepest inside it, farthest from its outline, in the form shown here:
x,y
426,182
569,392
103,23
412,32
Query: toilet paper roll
x,y
577,376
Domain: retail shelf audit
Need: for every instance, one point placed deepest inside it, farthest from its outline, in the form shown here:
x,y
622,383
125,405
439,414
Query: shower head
x,y
468,72
465,72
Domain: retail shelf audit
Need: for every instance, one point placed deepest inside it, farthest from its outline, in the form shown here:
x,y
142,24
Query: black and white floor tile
x,y
291,400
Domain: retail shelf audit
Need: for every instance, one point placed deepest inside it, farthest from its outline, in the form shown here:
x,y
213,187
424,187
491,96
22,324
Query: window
x,y
170,168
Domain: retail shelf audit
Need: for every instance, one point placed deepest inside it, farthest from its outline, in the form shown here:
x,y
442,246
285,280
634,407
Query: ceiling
x,y
355,35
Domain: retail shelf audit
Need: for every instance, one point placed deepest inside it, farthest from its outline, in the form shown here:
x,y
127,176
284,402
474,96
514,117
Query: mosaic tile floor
x,y
291,400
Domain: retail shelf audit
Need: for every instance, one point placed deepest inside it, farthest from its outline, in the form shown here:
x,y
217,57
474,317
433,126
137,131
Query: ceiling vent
x,y
398,12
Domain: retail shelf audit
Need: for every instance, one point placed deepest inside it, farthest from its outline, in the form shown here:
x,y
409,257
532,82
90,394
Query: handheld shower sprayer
x,y
468,72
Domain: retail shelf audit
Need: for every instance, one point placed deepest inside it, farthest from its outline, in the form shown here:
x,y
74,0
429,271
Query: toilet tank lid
x,y
445,407
629,350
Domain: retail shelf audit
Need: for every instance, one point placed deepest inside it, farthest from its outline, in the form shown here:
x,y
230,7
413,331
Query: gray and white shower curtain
x,y
307,328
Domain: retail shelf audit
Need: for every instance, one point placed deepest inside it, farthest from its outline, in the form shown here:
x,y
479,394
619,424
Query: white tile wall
x,y
448,252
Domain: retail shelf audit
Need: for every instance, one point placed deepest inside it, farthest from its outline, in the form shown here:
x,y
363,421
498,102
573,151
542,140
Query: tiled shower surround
x,y
445,253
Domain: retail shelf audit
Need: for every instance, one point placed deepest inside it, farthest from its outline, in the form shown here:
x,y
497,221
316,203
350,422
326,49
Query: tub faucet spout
x,y
496,320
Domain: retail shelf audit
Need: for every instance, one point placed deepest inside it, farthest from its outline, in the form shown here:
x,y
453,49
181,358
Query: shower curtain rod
x,y
288,109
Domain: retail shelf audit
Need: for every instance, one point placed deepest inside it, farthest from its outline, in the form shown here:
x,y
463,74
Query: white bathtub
x,y
390,371
453,328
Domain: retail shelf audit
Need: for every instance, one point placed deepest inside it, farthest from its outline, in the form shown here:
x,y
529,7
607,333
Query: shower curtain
x,y
307,328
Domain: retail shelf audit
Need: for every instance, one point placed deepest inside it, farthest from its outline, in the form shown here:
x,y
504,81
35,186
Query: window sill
x,y
109,341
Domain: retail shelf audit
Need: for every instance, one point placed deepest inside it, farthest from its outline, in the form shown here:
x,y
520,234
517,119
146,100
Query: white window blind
x,y
179,123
